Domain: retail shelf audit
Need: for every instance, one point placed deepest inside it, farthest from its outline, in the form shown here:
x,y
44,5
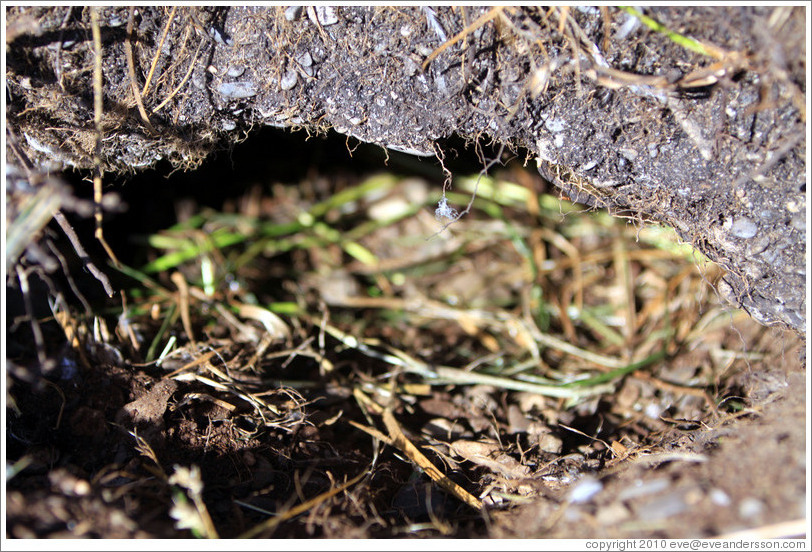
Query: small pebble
x,y
235,71
219,38
237,90
293,12
744,228
750,507
589,165
409,67
305,60
555,125
719,497
288,80
653,411
585,490
325,15
627,28
550,443
799,222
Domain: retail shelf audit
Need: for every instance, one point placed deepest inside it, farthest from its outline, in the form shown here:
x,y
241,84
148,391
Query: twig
x,y
98,107
401,442
71,283
22,276
83,256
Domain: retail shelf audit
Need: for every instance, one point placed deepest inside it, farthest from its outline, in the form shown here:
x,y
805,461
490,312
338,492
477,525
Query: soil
x,y
712,146
615,115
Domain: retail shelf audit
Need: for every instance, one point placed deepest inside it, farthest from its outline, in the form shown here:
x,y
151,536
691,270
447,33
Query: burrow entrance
x,y
295,318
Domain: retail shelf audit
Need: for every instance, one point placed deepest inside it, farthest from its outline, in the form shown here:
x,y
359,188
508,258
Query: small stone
x,y
409,67
799,221
237,90
555,125
585,490
288,80
305,60
517,422
221,38
293,12
750,507
758,246
719,497
653,411
589,165
550,443
744,228
424,50
324,15
754,271
235,71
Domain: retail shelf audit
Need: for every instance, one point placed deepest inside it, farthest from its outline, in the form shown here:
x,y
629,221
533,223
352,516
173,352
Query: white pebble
x,y
293,12
744,228
719,497
555,125
288,80
325,15
237,90
585,490
750,507
235,71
